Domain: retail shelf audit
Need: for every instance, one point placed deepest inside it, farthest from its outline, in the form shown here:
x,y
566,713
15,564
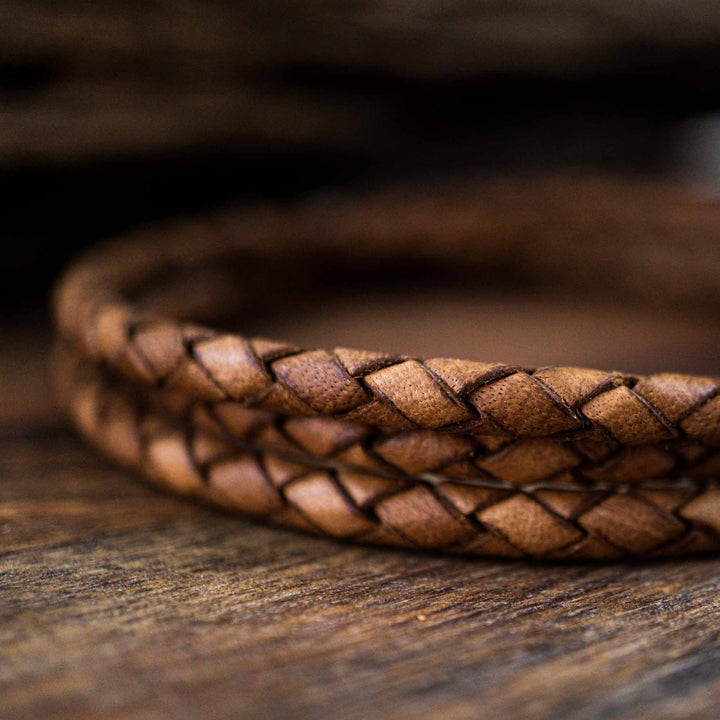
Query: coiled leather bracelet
x,y
462,456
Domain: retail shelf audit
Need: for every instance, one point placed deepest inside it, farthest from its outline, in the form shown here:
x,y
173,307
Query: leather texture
x,y
464,456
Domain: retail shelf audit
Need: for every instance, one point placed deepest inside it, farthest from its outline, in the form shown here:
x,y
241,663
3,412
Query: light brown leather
x,y
467,456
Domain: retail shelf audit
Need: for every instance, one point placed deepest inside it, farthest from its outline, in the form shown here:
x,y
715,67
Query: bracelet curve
x,y
461,456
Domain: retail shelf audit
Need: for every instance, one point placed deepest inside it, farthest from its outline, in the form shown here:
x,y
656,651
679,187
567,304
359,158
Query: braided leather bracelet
x,y
462,456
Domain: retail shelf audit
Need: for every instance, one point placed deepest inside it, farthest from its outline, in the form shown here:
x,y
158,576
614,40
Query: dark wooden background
x,y
117,601
113,113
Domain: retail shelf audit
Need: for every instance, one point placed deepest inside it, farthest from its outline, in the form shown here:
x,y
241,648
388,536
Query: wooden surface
x,y
83,81
119,602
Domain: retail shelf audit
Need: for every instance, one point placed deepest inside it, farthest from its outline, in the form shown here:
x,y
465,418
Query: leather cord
x,y
463,456
547,521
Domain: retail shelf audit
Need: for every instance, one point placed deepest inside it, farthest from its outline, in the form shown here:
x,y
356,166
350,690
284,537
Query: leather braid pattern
x,y
549,521
455,455
587,459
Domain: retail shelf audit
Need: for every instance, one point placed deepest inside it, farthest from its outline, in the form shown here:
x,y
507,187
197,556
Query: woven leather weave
x,y
464,456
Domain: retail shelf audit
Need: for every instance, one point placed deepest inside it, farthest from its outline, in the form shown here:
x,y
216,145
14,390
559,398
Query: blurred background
x,y
113,114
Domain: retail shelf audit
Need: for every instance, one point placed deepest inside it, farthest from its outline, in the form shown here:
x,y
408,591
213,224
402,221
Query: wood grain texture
x,y
82,82
119,602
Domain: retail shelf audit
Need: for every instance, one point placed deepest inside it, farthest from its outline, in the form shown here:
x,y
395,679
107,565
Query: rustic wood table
x,y
117,601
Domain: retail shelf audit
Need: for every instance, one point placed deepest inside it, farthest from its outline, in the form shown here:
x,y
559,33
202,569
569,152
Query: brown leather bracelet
x,y
478,458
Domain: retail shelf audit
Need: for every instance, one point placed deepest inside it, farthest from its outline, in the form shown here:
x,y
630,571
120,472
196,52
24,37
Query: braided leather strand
x,y
584,458
467,457
550,522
